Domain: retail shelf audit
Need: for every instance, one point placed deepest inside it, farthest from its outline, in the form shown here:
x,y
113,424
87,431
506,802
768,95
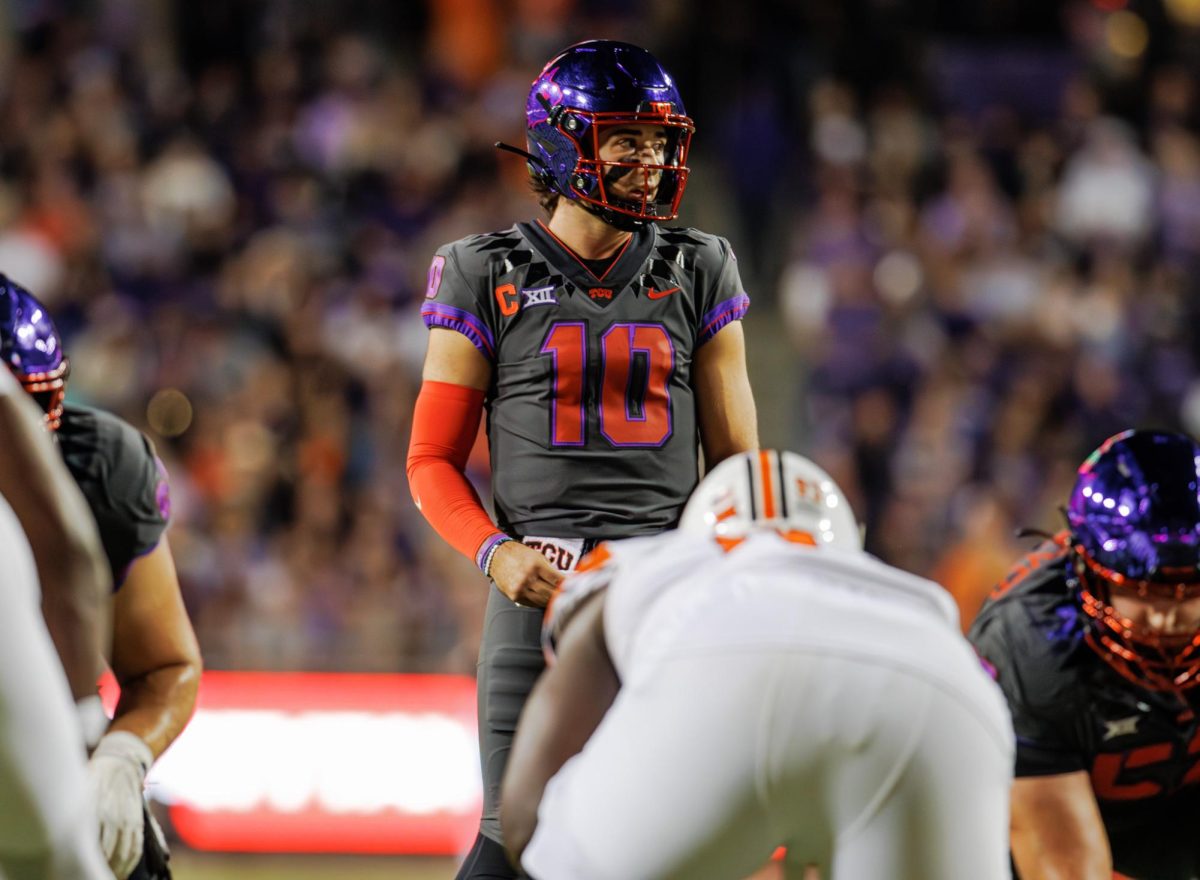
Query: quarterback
x,y
604,350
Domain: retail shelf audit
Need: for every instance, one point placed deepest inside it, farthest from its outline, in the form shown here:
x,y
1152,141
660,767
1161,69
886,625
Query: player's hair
x,y
547,198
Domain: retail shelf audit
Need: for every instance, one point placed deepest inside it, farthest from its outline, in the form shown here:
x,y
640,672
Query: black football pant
x,y
510,661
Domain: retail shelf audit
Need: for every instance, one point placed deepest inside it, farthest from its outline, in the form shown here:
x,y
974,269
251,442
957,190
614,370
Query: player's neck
x,y
585,233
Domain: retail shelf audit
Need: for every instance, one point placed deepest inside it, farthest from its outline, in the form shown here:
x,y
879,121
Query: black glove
x,y
155,855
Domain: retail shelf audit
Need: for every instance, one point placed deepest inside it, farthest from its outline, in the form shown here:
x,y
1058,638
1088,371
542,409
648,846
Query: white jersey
x,y
681,591
777,694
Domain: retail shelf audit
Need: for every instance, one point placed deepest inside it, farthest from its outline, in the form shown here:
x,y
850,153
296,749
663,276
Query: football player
x,y
1095,640
155,657
755,679
47,828
601,346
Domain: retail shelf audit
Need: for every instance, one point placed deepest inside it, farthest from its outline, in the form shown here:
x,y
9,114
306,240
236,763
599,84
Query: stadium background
x,y
969,231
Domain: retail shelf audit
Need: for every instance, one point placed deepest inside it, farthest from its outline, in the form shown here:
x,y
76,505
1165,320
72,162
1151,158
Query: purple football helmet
x,y
576,99
31,347
1134,517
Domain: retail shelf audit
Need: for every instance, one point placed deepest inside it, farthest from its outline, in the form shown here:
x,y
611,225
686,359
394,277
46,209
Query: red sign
x,y
317,762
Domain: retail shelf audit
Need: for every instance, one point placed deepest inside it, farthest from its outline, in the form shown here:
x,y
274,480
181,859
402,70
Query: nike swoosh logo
x,y
659,294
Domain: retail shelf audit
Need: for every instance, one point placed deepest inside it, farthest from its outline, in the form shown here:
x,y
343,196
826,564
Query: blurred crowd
x,y
984,262
980,296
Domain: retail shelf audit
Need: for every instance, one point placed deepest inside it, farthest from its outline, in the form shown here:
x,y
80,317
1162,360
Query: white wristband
x,y
92,720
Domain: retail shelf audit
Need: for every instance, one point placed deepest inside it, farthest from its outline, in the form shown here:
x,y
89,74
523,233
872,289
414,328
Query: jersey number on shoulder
x,y
636,361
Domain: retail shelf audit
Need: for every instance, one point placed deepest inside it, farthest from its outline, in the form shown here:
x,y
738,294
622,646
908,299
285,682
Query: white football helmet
x,y
769,490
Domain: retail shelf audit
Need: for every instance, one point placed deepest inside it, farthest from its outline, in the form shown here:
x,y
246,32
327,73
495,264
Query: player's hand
x,y
118,770
524,574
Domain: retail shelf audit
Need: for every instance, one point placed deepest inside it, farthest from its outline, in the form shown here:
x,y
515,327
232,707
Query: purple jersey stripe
x,y
730,310
441,315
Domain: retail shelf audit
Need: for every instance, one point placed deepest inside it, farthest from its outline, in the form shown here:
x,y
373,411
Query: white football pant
x,y
869,742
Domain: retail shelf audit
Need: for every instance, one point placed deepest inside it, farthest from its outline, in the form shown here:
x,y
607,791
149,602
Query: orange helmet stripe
x,y
768,483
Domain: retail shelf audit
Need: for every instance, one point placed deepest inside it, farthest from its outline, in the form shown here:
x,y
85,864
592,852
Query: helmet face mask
x,y
31,348
770,491
577,100
1135,530
50,391
1146,655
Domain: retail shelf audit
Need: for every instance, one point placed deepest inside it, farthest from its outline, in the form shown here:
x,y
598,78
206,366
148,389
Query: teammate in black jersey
x,y
603,348
1095,640
155,658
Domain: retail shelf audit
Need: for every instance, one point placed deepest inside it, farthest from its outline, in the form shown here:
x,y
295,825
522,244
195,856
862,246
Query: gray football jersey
x,y
591,415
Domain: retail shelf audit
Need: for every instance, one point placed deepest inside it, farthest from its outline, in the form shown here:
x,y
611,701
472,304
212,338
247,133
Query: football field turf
x,y
188,865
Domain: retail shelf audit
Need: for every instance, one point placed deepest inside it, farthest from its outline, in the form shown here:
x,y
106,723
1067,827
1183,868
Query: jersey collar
x,y
619,274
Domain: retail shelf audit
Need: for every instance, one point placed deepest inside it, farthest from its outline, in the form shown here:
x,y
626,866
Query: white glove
x,y
118,770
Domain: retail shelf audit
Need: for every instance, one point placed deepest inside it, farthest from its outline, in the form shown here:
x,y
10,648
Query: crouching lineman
x,y
1095,640
750,680
155,658
47,829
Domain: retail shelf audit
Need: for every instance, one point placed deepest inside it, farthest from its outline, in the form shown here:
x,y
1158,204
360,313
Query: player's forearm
x,y
732,430
563,711
62,534
75,607
1038,857
726,412
445,422
1056,830
449,503
156,706
75,581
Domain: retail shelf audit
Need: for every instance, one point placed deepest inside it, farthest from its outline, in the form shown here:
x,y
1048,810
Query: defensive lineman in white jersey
x,y
752,680
46,826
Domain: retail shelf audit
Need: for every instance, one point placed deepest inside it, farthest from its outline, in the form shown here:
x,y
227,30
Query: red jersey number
x,y
636,361
1145,771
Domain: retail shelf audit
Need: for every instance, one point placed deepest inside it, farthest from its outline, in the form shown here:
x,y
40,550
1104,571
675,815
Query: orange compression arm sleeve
x,y
445,422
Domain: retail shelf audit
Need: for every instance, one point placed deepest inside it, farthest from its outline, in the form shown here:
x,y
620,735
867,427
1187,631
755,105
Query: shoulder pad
x,y
477,254
122,480
1031,640
707,250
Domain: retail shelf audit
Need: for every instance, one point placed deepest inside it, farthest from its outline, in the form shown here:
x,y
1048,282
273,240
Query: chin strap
x,y
616,219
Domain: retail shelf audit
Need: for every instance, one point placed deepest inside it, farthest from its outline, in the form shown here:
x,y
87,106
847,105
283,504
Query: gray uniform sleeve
x,y
725,299
457,299
1036,689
